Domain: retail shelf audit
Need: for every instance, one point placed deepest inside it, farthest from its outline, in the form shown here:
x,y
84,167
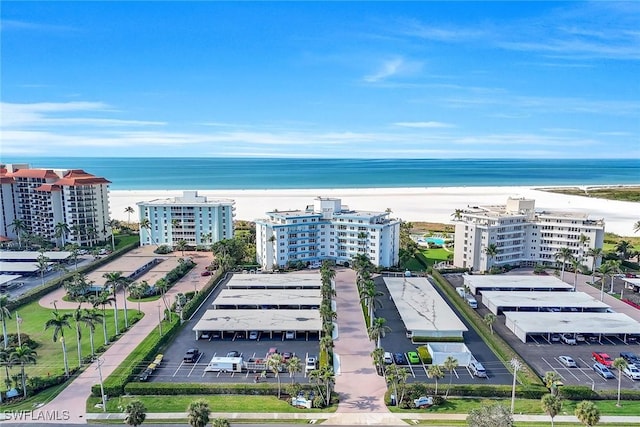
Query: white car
x,y
290,335
632,372
311,364
253,335
568,361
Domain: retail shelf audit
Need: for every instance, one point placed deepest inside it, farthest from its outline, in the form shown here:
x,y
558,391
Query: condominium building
x,y
41,199
523,236
192,218
326,230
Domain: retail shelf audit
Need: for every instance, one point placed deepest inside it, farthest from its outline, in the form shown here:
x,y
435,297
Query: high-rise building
x,y
192,218
326,230
522,236
41,200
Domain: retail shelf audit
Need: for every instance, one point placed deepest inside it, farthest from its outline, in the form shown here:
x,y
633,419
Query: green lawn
x,y
433,256
49,361
529,406
217,403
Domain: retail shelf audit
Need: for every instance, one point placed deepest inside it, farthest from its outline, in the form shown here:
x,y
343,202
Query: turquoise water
x,y
435,240
234,173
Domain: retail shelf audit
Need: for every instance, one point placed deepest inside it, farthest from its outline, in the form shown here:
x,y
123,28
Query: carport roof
x,y
420,306
18,267
288,280
632,281
477,282
268,297
33,255
588,323
541,299
6,278
259,320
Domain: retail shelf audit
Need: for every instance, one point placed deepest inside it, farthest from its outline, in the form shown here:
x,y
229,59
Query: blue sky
x,y
326,79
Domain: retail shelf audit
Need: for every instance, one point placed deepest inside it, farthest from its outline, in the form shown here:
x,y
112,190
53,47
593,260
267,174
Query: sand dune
x,y
433,204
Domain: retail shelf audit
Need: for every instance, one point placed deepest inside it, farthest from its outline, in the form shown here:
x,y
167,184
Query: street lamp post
x,y
159,320
516,365
104,398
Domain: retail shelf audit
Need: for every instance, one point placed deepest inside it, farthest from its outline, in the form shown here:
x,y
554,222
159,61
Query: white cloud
x,y
423,125
393,67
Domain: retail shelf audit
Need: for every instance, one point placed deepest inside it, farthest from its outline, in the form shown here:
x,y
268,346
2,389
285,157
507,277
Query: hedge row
x,y
437,339
37,293
424,354
138,359
160,389
422,260
526,375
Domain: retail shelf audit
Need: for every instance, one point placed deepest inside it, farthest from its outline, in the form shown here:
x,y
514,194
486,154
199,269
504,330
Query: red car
x,y
603,358
206,273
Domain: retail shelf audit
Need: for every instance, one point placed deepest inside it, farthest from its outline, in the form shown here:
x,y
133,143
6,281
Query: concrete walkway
x,y
72,399
360,388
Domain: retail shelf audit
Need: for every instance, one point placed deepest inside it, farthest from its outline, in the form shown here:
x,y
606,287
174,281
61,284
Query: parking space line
x,y
534,340
179,366
456,372
469,371
194,365
413,374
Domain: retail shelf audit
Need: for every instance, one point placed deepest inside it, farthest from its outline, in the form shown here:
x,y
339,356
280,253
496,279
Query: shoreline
x,y
431,204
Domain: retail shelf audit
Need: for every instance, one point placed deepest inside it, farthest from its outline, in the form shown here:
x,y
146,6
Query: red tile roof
x,y
80,177
34,173
48,187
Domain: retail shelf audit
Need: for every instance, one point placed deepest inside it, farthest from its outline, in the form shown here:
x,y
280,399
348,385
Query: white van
x,y
461,292
471,301
477,369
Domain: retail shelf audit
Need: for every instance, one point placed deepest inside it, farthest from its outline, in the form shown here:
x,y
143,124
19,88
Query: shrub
x,y
417,339
424,354
577,392
193,304
163,250
163,389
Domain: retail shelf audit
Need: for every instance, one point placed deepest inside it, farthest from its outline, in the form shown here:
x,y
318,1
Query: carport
x,y
23,268
309,280
294,299
232,321
502,301
422,309
25,256
523,324
8,281
506,282
631,284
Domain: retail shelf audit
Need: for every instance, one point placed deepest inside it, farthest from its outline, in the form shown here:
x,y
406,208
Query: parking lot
x,y
542,354
396,341
174,369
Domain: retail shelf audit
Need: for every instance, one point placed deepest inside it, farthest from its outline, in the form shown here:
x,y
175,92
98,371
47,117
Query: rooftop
x,y
541,299
33,255
268,297
511,281
259,320
594,323
309,279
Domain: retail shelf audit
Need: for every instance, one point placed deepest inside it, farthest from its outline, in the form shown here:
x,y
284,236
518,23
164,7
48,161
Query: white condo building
x,y
522,235
40,199
326,230
195,219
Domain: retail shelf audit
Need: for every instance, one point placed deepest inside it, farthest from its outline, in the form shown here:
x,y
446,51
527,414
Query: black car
x,y
630,357
192,355
400,359
144,376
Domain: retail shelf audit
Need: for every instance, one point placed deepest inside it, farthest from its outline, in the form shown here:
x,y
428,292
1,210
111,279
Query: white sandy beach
x,y
432,204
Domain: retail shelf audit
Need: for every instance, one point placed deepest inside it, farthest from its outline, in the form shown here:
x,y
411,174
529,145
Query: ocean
x,y
253,173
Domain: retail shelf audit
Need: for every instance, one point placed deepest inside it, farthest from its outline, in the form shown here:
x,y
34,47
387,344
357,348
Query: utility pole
x,y
104,398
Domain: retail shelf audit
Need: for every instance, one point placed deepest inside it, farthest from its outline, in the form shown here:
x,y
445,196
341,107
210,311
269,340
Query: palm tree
x,y
596,254
619,363
5,360
489,319
324,379
491,251
181,245
378,359
19,227
564,255
552,405
113,224
623,249
75,251
576,264
587,413
457,214
22,355
550,380
42,263
128,210
145,224
103,299
294,365
5,314
90,318
326,344
275,363
435,371
59,323
378,330
78,318
163,286
369,295
136,413
198,413
61,230
115,279
220,422
604,270
614,267
450,363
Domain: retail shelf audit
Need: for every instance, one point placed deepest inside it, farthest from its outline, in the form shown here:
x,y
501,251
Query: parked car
x,y
602,358
399,359
206,273
413,357
272,351
592,338
568,339
286,356
461,291
191,356
311,363
603,371
630,357
632,372
205,336
253,335
554,338
568,361
233,353
144,376
580,338
388,358
477,369
290,335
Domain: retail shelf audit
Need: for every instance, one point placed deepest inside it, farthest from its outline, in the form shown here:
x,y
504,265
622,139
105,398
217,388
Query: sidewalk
x,y
73,398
